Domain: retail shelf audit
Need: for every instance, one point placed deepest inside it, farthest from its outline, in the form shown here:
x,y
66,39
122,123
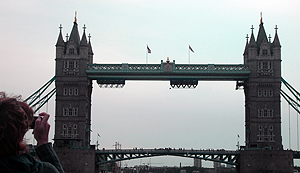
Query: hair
x,y
15,118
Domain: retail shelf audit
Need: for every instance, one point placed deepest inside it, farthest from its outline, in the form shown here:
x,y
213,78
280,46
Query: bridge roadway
x,y
220,155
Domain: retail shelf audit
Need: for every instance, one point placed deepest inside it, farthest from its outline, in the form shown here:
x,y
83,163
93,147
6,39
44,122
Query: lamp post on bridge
x,y
98,140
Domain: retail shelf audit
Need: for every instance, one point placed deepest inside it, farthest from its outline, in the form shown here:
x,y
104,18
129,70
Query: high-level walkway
x,y
168,71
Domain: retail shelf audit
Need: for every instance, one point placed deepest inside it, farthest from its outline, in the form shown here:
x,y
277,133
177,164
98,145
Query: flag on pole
x,y
191,49
149,50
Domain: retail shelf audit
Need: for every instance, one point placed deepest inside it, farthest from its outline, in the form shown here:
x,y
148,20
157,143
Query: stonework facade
x,y
274,161
73,90
262,104
262,91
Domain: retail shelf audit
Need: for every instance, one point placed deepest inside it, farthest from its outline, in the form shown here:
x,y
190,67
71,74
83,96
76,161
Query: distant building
x,y
197,163
183,171
217,164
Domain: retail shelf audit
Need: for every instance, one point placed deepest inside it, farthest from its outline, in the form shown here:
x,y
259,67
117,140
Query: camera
x,y
33,122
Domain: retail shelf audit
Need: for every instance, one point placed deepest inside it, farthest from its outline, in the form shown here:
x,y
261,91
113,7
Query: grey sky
x,y
147,114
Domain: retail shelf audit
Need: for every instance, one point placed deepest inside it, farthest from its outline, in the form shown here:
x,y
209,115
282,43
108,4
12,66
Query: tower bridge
x,y
259,76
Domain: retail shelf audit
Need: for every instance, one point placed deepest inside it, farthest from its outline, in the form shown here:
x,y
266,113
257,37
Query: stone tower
x,y
73,90
262,91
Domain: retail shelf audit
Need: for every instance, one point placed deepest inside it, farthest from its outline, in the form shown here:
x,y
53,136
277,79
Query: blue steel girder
x,y
36,100
168,71
107,156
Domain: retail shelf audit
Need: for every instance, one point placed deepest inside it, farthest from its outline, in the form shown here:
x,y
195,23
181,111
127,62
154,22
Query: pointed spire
x,y
75,20
89,38
252,39
246,47
261,33
90,45
276,41
60,40
83,39
74,33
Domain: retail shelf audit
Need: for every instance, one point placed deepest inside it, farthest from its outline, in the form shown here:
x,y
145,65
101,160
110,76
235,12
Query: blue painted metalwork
x,y
168,71
294,103
223,156
36,101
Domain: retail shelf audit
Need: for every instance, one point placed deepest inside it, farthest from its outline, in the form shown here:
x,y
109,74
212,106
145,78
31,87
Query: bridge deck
x,y
105,156
168,71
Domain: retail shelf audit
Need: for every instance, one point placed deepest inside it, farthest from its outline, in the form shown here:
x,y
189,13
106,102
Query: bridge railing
x,y
212,67
189,68
124,67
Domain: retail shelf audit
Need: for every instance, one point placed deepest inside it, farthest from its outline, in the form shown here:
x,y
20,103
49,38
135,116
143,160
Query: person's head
x,y
15,118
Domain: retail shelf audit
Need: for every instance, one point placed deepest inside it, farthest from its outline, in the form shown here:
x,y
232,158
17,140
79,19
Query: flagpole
x,y
189,55
146,56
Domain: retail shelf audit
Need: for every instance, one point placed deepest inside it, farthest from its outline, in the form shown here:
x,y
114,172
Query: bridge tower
x,y
73,90
262,91
264,151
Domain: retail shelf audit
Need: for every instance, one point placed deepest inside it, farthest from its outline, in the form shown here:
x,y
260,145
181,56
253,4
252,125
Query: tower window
x,y
76,91
64,132
265,65
264,52
69,131
265,93
260,65
75,64
75,111
265,134
270,93
270,65
70,91
71,64
260,113
271,114
265,113
259,93
70,112
65,112
71,51
65,91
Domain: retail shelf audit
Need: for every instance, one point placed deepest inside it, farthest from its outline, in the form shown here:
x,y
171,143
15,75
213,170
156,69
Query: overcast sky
x,y
147,114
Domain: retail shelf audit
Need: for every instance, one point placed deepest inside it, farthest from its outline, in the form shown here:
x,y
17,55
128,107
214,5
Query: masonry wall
x,y
77,160
268,161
